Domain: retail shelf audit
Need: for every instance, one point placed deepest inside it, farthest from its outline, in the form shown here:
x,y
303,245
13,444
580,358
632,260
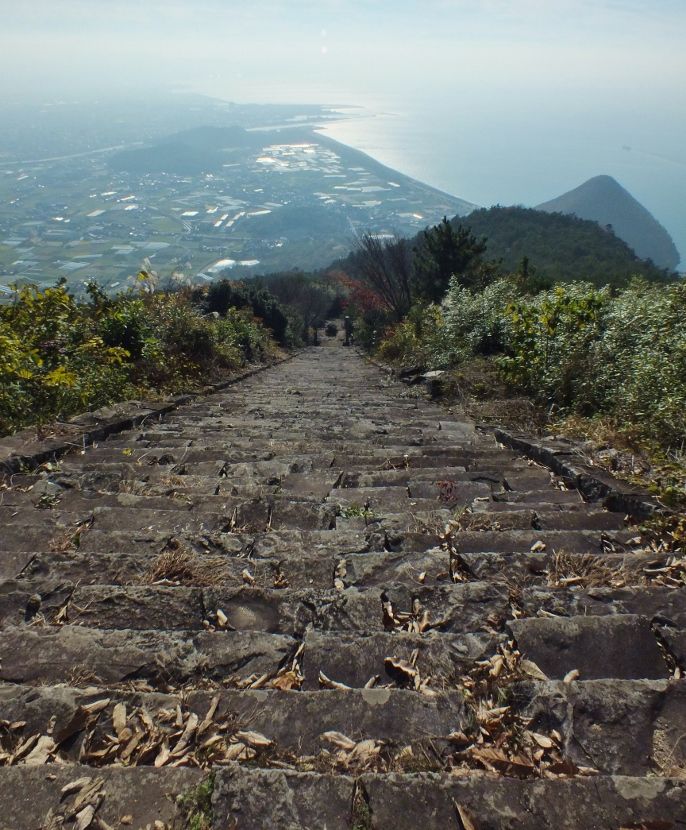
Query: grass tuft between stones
x,y
196,805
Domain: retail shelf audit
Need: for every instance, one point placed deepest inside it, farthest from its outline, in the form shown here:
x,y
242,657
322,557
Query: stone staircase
x,y
318,600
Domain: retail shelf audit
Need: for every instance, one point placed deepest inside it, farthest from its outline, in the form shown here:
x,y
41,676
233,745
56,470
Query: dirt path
x,y
261,585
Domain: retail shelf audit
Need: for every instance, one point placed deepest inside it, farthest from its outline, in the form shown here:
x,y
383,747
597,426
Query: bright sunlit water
x,y
512,149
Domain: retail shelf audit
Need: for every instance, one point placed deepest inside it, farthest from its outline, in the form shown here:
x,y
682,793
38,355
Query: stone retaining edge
x,y
561,456
23,451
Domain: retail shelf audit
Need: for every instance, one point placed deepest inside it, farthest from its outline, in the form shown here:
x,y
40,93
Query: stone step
x,y
462,607
565,569
276,552
400,498
92,531
79,656
354,660
295,721
491,802
141,798
619,646
278,563
620,727
175,566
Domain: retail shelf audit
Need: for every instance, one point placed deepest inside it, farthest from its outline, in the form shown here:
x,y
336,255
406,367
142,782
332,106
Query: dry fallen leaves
x,y
416,621
168,738
502,740
353,754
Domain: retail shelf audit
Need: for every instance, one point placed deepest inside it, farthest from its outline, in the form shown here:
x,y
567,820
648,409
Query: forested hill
x,y
558,247
605,201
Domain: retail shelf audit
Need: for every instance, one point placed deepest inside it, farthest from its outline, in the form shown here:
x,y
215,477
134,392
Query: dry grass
x,y
622,450
69,539
183,567
589,571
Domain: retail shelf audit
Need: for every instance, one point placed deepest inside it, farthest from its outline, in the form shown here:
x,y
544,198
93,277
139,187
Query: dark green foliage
x,y
558,248
444,251
223,295
606,202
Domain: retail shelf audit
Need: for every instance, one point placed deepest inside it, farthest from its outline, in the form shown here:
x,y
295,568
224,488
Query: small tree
x,y
385,266
443,252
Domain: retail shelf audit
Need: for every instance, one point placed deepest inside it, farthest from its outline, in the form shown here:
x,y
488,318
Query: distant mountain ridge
x,y
602,199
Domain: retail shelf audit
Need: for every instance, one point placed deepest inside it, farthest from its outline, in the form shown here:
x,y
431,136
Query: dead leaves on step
x,y
287,678
503,742
671,573
500,740
171,738
406,674
354,755
506,666
79,802
416,621
17,748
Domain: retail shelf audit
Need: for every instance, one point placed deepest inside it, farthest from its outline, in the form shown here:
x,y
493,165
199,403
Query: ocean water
x,y
505,154
500,142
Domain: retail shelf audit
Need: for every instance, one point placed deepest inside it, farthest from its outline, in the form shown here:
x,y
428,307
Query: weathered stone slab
x,y
354,660
63,655
455,609
30,797
404,802
625,727
611,646
257,799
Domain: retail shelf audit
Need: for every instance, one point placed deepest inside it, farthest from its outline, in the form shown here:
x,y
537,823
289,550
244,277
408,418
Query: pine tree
x,y
443,252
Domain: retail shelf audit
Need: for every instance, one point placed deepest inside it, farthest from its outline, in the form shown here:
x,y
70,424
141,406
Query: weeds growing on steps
x,y
197,805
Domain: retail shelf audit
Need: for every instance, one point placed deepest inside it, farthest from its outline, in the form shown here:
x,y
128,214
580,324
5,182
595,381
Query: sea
x,y
496,158
516,150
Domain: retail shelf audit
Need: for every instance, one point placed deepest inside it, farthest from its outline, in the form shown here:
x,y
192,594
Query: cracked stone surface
x,y
382,601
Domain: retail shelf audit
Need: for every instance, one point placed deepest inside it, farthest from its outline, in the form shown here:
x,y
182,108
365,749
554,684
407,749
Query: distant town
x,y
238,191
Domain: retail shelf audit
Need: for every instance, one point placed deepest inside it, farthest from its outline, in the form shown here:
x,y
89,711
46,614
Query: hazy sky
x,y
281,49
520,74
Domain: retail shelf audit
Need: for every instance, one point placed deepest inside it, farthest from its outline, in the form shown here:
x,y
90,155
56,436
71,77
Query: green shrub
x,y
414,340
224,295
549,340
639,362
475,322
576,348
59,356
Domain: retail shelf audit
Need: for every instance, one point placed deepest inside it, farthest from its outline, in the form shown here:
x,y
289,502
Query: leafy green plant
x,y
549,342
576,349
59,355
358,511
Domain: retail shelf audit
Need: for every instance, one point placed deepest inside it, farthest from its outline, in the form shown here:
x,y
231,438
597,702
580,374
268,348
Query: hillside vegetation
x,y
615,351
60,356
574,348
558,247
606,202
